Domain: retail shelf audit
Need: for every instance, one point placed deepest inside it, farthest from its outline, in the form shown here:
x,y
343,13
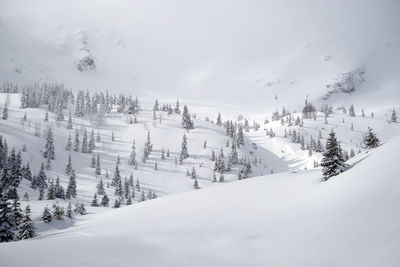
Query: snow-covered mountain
x,y
114,70
185,49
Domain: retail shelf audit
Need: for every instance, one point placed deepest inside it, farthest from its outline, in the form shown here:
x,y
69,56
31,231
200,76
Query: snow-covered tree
x,y
69,125
5,112
84,142
97,165
187,122
48,151
71,188
132,156
76,141
26,228
68,146
7,222
332,162
184,151
68,168
394,116
46,215
370,139
95,202
105,201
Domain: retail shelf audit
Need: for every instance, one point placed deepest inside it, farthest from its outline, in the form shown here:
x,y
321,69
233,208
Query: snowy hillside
x,y
254,222
199,133
186,50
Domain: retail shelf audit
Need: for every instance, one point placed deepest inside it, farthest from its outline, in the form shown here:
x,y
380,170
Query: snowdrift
x,y
287,219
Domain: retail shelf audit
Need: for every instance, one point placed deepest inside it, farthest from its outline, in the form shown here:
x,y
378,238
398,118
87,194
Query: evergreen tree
x,y
187,122
46,116
26,228
193,173
46,216
60,192
68,168
394,116
69,210
41,178
351,111
93,162
58,212
105,201
76,141
49,146
94,201
16,213
333,162
129,200
196,184
84,142
112,136
219,121
68,146
7,222
97,165
69,126
117,204
71,188
162,154
5,112
370,139
100,188
117,177
91,145
132,157
98,138
51,191
184,151
156,166
240,138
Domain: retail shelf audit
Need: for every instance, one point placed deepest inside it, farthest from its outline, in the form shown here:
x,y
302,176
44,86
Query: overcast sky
x,y
197,48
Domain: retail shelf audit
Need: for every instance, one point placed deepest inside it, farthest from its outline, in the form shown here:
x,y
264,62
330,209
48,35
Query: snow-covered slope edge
x,y
276,220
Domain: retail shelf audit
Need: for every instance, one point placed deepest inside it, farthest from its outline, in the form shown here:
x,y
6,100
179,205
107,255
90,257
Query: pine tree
x,y
212,155
69,210
46,216
118,189
41,178
7,222
60,192
5,112
84,142
59,111
117,177
162,154
117,204
46,116
69,126
112,136
156,166
219,121
105,201
370,139
93,162
98,138
94,201
91,145
351,111
71,188
51,191
76,141
100,188
26,228
240,139
186,120
49,146
193,173
68,168
205,144
68,146
333,162
394,116
196,184
58,212
97,165
129,200
184,152
132,156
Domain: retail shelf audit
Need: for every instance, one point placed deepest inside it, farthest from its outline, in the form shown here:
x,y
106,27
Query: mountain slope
x,y
283,219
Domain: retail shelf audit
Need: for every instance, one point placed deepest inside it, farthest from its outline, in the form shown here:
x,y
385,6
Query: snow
x,y
260,221
257,58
